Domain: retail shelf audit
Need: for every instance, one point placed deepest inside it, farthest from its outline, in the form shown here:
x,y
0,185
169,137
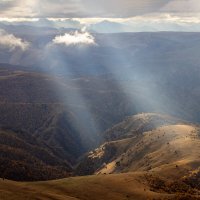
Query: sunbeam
x,y
56,60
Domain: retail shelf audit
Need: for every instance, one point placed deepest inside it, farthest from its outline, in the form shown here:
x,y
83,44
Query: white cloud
x,y
75,38
11,42
5,19
163,21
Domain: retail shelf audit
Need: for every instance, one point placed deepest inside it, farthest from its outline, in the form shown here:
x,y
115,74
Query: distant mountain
x,y
44,22
107,26
110,27
68,23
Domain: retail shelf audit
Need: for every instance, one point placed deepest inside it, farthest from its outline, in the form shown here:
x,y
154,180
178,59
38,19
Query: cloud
x,y
182,6
75,38
150,22
79,8
93,8
21,19
17,8
11,42
122,8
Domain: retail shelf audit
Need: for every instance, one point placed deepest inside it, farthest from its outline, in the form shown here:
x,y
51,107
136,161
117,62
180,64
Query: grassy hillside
x,y
162,149
137,124
131,186
23,157
168,146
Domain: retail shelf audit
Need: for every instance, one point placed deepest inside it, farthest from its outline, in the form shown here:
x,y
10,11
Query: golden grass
x,y
99,187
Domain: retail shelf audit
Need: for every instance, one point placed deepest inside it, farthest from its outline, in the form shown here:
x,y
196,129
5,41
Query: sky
x,y
94,8
136,15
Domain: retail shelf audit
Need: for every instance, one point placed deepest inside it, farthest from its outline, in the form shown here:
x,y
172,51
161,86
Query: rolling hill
x,y
159,151
96,187
149,143
162,149
114,187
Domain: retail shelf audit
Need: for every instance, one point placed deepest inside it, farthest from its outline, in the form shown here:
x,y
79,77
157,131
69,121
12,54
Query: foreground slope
x,y
131,186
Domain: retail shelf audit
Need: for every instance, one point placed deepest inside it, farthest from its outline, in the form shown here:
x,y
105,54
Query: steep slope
x,y
24,91
38,140
161,147
49,123
164,150
62,113
24,158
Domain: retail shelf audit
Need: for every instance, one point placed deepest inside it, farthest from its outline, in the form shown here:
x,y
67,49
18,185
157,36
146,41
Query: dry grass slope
x,y
168,155
129,186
